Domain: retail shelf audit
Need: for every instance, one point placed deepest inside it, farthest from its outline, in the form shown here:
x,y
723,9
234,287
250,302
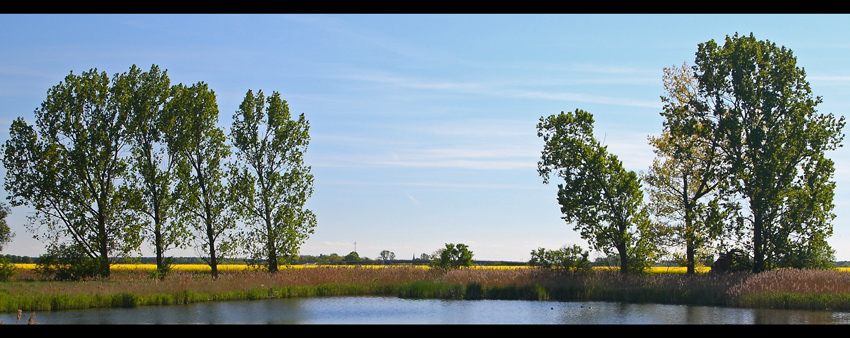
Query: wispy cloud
x,y
479,159
415,202
467,144
505,89
580,97
447,185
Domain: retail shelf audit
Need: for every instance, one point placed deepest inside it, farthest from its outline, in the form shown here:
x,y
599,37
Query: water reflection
x,y
383,310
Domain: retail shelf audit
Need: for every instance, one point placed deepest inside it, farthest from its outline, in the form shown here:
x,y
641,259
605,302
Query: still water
x,y
388,310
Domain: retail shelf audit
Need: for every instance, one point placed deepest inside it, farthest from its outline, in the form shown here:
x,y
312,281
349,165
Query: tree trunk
x,y
213,260
157,232
624,258
689,252
103,244
758,247
270,231
158,240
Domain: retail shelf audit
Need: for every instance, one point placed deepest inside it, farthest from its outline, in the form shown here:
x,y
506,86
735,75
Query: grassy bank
x,y
131,287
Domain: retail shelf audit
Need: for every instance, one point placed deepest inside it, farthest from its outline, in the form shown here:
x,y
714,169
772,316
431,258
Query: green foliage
x,y
198,146
19,259
815,255
67,263
6,233
570,258
453,256
602,199
93,133
352,257
147,194
163,269
608,260
67,166
387,255
734,260
796,301
125,300
320,259
431,290
686,180
7,269
758,103
271,184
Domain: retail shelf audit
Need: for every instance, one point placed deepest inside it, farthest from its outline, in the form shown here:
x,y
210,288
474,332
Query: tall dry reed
x,y
795,289
803,281
128,288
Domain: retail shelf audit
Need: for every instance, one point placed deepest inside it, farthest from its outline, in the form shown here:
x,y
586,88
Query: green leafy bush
x,y
7,269
453,256
67,263
571,258
161,272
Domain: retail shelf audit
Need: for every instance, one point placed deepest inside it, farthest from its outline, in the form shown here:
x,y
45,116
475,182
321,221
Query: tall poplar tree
x,y
685,181
775,143
198,146
149,182
270,180
67,165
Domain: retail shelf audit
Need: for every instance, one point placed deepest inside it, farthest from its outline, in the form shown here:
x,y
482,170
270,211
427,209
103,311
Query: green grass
x,y
786,300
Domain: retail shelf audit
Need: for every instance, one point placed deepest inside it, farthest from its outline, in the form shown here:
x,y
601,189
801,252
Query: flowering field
x,y
243,267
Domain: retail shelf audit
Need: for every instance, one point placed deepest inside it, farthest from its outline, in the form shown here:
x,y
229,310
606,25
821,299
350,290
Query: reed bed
x,y
796,289
132,286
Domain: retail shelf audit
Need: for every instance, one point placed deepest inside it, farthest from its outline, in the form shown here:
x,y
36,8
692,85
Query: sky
x,y
423,127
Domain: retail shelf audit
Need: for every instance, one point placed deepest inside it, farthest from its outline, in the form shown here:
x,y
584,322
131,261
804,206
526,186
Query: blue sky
x,y
423,127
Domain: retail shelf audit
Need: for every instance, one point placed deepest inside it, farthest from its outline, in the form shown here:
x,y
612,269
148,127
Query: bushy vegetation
x,y
570,258
67,263
453,256
7,269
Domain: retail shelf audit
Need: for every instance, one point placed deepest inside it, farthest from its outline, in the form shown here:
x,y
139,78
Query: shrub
x,y
453,256
67,263
352,258
733,261
571,258
7,269
161,272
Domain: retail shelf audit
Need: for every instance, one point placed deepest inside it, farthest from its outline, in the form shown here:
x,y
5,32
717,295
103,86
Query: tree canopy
x,y
759,104
66,167
599,197
111,162
199,147
6,233
270,180
148,192
685,181
453,256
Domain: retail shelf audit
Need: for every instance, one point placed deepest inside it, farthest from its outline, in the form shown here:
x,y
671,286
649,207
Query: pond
x,y
390,310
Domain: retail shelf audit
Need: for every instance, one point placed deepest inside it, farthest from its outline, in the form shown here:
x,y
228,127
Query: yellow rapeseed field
x,y
243,267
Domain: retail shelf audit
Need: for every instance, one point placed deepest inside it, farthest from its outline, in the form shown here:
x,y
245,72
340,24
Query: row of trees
x,y
740,164
452,256
111,163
